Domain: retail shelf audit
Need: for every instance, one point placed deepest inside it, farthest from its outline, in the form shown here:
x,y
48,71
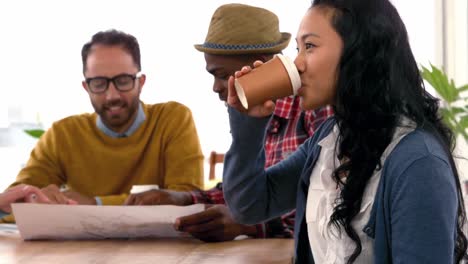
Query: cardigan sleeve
x,y
423,209
252,193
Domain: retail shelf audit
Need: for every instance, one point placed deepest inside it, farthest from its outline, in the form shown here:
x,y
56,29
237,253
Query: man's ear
x,y
85,85
141,81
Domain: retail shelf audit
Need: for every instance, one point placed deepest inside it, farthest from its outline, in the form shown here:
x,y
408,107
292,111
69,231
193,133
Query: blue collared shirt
x,y
140,118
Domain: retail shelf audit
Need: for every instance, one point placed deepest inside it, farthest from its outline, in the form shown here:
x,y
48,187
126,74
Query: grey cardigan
x,y
414,216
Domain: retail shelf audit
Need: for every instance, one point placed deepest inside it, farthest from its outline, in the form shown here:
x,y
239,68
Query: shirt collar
x,y
140,118
287,107
329,141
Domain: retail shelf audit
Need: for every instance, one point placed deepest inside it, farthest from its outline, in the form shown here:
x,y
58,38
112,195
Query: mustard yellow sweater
x,y
164,150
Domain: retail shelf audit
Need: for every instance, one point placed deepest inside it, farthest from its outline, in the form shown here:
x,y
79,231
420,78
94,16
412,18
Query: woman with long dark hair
x,y
377,183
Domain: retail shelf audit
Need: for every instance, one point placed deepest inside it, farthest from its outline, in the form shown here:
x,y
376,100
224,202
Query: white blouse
x,y
327,244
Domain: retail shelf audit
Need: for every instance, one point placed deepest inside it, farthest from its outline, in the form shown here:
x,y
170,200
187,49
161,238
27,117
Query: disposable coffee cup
x,y
275,79
143,188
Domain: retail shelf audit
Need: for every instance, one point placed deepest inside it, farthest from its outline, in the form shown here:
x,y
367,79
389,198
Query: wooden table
x,y
166,251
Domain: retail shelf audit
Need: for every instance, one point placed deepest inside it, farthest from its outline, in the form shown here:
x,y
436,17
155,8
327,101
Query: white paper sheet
x,y
46,221
6,229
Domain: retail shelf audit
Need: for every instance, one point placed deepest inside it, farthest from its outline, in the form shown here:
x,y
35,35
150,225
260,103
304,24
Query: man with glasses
x,y
99,156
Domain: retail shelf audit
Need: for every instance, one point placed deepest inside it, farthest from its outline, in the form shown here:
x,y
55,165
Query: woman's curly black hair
x,y
378,82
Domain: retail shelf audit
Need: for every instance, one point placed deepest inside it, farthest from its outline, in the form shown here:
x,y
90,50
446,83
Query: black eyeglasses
x,y
122,82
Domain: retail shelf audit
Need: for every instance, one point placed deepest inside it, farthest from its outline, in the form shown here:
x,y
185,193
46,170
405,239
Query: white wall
x,y
456,61
42,61
41,64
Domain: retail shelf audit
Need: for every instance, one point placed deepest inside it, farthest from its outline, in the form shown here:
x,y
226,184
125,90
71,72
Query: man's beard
x,y
117,121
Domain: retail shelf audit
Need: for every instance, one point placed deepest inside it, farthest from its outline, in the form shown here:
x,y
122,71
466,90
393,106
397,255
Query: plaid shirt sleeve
x,y
314,118
211,196
278,228
281,227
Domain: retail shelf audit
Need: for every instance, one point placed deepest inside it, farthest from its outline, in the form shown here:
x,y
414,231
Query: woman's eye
x,y
309,45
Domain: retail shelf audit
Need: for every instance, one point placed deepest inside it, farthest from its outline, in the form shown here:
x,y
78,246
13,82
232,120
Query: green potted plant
x,y
454,110
36,133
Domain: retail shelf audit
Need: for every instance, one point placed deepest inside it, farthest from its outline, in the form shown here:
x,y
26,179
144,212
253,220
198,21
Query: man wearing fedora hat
x,y
237,36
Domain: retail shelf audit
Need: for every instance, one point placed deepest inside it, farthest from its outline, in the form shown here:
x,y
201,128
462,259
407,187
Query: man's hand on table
x,y
21,193
67,197
159,197
79,198
213,225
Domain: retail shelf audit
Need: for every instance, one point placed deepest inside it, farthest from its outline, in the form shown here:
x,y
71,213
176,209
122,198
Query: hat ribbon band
x,y
239,47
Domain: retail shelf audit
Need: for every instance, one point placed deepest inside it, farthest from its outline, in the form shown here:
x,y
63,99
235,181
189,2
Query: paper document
x,y
51,221
6,229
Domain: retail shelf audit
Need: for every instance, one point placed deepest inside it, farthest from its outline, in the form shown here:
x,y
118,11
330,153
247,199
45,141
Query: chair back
x,y
215,158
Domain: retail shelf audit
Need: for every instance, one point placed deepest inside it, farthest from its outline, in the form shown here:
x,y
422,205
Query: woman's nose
x,y
299,62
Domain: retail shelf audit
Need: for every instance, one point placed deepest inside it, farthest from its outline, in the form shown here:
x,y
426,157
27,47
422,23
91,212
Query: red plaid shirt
x,y
288,128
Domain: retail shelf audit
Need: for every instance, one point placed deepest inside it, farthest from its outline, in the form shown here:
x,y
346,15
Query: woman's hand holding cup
x,y
233,100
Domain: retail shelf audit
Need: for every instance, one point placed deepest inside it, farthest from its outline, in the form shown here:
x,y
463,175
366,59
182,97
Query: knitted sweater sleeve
x,y
183,157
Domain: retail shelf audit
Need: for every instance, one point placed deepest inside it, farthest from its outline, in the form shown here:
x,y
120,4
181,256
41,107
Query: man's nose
x,y
112,92
218,87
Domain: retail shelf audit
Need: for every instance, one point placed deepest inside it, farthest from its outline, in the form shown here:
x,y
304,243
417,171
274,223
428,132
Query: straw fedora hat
x,y
243,29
